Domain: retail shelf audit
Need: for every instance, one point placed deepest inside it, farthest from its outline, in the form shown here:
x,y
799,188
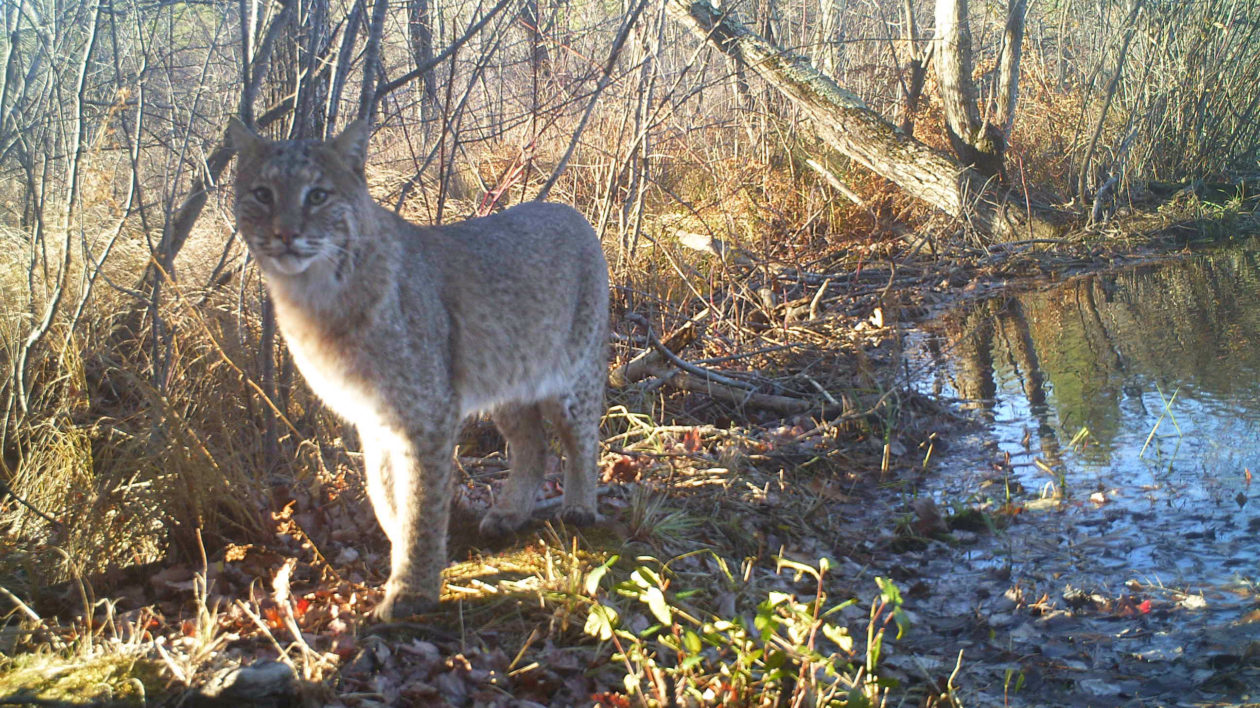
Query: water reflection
x,y
1149,514
1106,353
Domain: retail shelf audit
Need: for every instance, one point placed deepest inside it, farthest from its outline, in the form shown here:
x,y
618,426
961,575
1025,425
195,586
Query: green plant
x,y
788,651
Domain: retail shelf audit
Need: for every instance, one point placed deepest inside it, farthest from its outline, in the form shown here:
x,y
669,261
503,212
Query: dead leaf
x,y
625,469
692,441
829,489
610,700
930,521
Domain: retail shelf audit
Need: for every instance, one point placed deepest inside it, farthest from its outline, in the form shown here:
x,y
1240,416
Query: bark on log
x,y
853,129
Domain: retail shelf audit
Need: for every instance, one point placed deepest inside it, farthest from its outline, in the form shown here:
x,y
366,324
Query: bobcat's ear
x,y
243,139
351,145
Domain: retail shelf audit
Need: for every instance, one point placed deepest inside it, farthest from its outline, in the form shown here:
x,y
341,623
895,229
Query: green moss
x,y
126,679
968,519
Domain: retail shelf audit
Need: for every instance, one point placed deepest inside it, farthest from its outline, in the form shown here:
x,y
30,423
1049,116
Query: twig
x,y
813,304
641,366
835,182
784,405
258,622
26,610
756,352
690,368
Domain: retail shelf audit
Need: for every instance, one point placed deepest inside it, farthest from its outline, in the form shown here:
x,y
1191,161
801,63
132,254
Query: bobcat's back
x,y
527,295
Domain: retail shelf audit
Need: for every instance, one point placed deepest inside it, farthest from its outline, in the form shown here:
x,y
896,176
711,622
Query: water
x,y
1120,433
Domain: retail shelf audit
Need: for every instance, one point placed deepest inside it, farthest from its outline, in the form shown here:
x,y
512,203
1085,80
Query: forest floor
x,y
733,524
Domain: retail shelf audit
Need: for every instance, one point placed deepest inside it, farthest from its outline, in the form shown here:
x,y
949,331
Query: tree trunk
x,y
539,57
372,73
311,78
853,129
912,88
1008,65
976,142
419,26
342,61
737,76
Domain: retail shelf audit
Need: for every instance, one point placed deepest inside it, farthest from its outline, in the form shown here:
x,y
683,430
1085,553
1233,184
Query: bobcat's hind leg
x,y
522,428
576,419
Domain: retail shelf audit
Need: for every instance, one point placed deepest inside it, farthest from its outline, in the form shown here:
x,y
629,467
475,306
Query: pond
x,y
1119,434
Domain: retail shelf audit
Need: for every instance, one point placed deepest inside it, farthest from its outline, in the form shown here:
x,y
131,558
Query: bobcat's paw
x,y
401,604
498,522
578,515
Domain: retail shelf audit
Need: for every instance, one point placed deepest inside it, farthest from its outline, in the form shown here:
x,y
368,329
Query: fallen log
x,y
848,126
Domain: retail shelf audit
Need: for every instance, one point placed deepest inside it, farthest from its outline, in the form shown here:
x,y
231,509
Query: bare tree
x,y
977,142
20,392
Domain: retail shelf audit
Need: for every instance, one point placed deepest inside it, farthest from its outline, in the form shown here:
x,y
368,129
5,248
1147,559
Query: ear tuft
x,y
245,140
352,144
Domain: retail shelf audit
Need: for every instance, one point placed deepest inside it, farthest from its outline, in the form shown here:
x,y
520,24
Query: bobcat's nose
x,y
287,236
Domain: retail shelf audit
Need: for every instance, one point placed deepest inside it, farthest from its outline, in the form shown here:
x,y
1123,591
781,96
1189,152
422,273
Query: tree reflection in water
x,y
1167,523
1103,352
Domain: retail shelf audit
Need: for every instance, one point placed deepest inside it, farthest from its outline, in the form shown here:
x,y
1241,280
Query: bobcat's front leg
x,y
417,471
378,469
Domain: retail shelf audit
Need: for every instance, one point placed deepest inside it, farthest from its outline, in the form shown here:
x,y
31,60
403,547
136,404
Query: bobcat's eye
x,y
262,194
316,196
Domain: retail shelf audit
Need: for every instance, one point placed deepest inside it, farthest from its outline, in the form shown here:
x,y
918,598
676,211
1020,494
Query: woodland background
x,y
148,411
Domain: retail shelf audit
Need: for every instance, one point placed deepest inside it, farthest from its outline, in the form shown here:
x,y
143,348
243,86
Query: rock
x,y
1193,602
966,538
1000,620
263,683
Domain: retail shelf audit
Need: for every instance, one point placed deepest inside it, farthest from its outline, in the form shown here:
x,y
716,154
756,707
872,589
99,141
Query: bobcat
x,y
406,330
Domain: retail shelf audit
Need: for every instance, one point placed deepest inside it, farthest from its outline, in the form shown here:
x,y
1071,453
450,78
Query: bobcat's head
x,y
296,200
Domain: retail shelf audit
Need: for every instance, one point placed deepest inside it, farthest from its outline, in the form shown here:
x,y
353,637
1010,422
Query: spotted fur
x,y
406,330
